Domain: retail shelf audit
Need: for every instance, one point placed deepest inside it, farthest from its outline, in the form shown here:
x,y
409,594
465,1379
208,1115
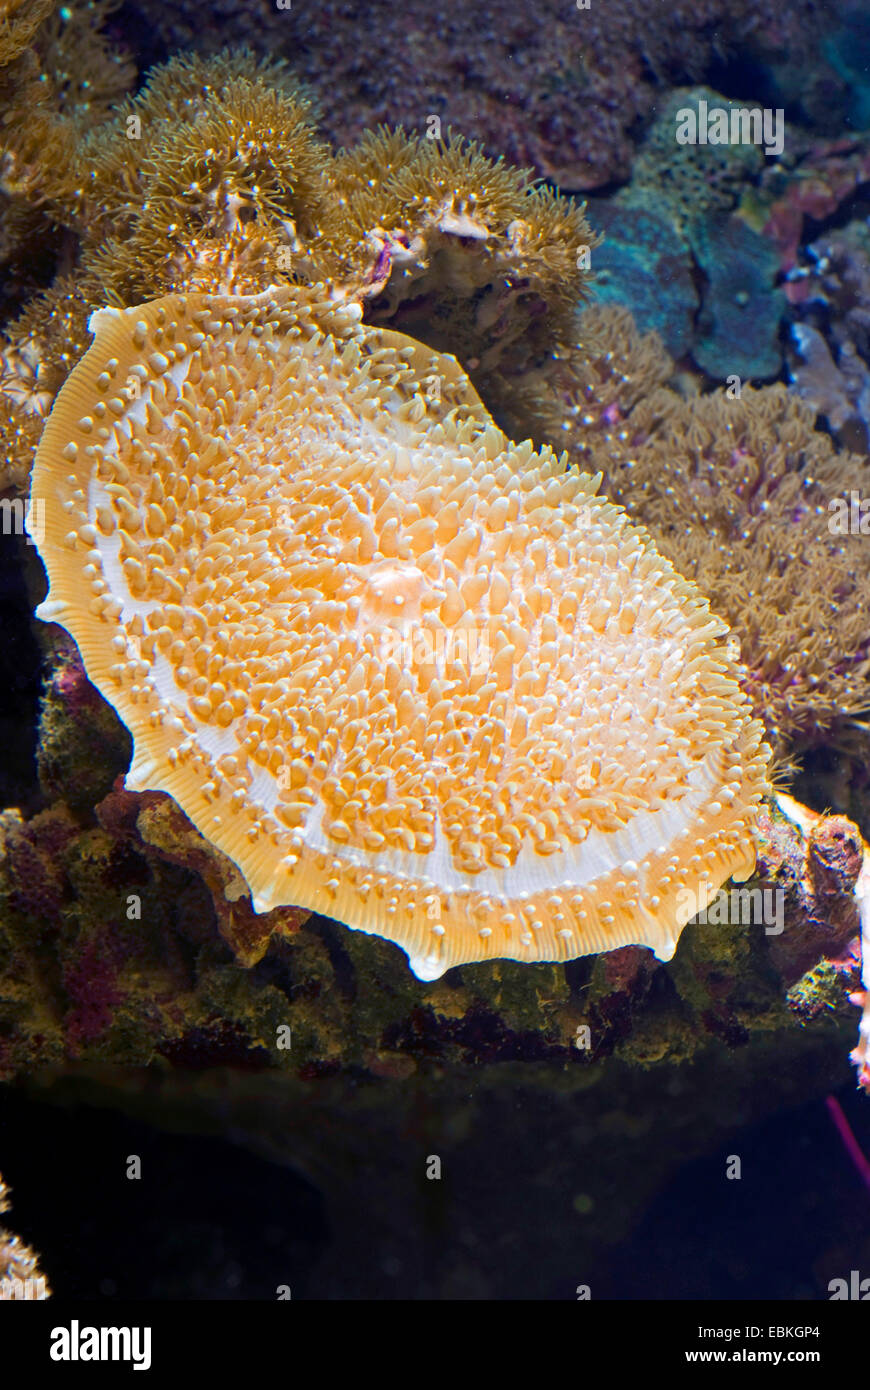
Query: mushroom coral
x,y
401,670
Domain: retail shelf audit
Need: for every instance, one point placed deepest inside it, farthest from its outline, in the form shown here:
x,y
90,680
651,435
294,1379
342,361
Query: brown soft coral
x,y
207,201
60,87
19,436
737,493
193,112
462,251
19,21
590,386
232,189
36,354
214,177
59,76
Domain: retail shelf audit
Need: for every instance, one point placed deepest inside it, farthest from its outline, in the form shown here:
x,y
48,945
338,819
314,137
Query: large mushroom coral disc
x,y
404,672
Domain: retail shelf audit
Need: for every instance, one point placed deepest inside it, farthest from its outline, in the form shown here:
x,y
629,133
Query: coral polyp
x,y
399,669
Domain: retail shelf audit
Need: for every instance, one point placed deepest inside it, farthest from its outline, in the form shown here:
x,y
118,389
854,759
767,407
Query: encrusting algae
x,y
402,671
